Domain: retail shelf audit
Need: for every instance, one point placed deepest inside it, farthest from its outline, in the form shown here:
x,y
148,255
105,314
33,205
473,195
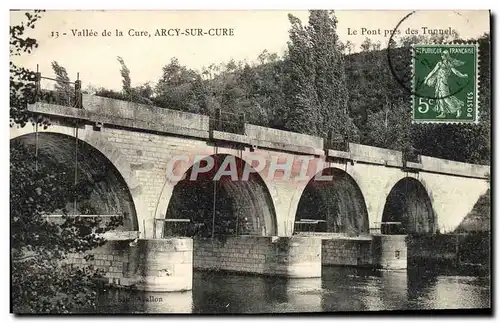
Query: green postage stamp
x,y
445,83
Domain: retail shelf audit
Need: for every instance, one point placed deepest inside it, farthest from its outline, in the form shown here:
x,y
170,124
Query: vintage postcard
x,y
250,162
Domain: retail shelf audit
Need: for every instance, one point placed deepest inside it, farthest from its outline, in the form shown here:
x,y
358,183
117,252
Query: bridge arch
x,y
408,203
215,200
334,200
98,162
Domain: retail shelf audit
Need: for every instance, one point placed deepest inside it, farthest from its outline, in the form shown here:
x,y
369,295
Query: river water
x,y
339,289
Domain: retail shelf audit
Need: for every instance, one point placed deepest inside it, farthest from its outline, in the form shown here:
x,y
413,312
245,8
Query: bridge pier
x,y
389,251
162,265
154,265
379,251
294,257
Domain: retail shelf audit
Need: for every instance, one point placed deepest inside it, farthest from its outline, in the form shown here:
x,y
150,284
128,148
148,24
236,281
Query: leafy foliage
x,y
479,218
134,94
180,88
316,88
125,72
63,86
40,186
22,88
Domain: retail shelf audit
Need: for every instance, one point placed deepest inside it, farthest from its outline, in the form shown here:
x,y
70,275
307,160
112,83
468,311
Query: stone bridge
x,y
148,156
143,147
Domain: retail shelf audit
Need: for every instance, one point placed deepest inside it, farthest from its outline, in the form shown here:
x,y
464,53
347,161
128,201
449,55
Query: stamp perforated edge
x,y
476,85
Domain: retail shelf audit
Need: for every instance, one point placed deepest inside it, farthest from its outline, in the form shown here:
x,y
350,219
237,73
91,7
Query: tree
x,y
125,72
376,46
42,282
316,83
263,88
180,88
366,45
63,86
330,78
316,88
390,127
374,94
301,97
22,87
407,41
349,46
140,94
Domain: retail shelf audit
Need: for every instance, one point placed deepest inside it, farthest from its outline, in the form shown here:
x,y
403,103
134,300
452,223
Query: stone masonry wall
x,y
346,252
112,258
282,256
284,137
151,265
379,251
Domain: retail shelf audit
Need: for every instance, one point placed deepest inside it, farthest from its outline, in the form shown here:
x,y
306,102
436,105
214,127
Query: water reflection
x,y
228,293
442,288
346,289
339,289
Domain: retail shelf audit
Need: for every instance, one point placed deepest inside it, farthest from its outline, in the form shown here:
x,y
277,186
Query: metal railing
x,y
81,215
71,96
228,122
310,225
189,228
173,227
391,227
59,218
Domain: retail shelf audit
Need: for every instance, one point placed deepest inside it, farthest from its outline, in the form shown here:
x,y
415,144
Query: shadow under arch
x,y
338,204
409,204
110,193
222,206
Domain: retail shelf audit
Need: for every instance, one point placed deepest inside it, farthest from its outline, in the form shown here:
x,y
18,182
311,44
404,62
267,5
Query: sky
x,y
94,57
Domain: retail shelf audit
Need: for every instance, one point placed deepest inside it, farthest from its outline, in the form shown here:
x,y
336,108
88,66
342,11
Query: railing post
x,y
329,139
38,86
242,123
218,120
78,94
346,142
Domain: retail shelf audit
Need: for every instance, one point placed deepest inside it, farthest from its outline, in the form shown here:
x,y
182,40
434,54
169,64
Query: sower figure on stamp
x,y
438,78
